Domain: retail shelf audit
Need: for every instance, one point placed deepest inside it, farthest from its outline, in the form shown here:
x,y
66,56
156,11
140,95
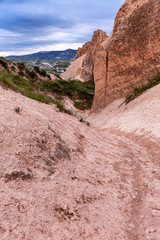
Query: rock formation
x,y
128,57
131,54
74,70
83,50
82,67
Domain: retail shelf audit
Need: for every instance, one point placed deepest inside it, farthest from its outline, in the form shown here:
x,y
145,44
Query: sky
x,y
28,26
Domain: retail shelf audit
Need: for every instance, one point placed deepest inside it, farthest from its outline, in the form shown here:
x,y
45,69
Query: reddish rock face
x,y
130,55
82,68
126,59
83,50
98,37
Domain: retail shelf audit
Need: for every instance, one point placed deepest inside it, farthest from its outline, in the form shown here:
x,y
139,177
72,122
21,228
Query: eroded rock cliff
x,y
83,50
126,59
82,67
131,54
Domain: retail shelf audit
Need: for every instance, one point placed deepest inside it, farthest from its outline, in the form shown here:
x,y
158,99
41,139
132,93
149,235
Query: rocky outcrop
x,y
131,54
129,57
83,50
74,70
82,67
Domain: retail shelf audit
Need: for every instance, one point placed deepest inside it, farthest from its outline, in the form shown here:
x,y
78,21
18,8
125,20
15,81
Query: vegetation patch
x,y
63,64
138,91
30,89
13,68
31,74
29,83
42,72
4,62
61,107
19,84
81,93
21,66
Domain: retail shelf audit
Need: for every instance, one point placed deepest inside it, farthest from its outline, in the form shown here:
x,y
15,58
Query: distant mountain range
x,y
66,55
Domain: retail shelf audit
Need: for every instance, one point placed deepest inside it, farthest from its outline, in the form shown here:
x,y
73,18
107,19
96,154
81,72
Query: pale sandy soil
x,y
63,180
74,70
141,116
53,77
69,104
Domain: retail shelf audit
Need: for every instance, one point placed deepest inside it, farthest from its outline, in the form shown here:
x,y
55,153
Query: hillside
x,y
72,97
66,55
62,179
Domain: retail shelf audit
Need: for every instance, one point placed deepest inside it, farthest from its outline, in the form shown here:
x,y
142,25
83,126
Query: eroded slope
x,y
61,179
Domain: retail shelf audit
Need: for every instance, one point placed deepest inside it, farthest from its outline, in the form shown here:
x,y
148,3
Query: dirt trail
x,y
136,125
61,179
143,171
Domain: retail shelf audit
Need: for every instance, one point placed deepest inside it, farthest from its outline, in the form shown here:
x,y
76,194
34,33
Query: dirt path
x,y
142,170
61,180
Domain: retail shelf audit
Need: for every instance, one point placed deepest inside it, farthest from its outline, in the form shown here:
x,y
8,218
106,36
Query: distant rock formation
x,y
83,50
82,67
74,70
127,58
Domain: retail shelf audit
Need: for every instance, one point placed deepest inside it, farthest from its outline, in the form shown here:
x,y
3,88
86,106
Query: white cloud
x,y
6,33
53,47
51,24
75,32
56,39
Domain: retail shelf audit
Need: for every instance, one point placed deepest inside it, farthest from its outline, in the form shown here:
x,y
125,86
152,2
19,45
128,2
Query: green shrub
x,y
48,75
4,62
36,68
42,72
15,82
13,68
32,74
28,88
63,64
81,93
155,80
21,66
82,105
21,73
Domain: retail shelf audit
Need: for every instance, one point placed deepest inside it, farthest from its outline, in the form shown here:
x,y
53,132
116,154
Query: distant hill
x,y
68,55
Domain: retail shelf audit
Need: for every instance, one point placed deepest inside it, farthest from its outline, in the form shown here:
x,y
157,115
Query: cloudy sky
x,y
28,26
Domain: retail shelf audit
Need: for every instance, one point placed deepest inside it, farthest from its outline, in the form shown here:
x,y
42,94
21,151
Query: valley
x,y
80,149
